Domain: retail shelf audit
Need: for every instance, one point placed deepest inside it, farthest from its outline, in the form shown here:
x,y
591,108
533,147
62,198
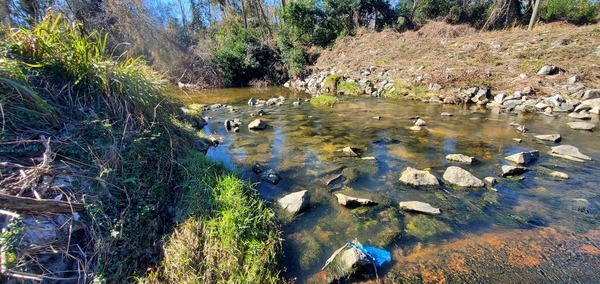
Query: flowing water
x,y
533,228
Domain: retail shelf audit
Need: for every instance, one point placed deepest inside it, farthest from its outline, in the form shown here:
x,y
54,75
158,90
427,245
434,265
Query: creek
x,y
534,227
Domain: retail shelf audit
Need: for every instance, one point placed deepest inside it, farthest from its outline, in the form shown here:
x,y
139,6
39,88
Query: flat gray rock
x,y
295,202
460,158
353,201
416,177
580,115
512,170
419,206
569,152
581,125
461,177
557,174
588,104
523,157
549,137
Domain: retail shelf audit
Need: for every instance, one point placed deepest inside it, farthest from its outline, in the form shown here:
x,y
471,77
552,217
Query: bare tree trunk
x,y
244,14
536,9
414,9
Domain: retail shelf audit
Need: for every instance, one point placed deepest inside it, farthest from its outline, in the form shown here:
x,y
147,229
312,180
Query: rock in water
x,y
580,115
511,170
549,137
270,176
588,104
420,122
569,152
257,124
345,262
418,178
461,177
581,125
353,201
460,158
557,174
524,157
419,206
349,151
295,202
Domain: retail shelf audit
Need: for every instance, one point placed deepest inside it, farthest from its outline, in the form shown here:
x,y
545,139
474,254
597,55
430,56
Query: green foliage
x,y
230,237
59,62
424,227
573,11
242,56
324,100
432,9
349,88
330,84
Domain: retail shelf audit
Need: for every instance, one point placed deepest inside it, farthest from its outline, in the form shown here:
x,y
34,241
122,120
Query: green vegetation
x,y
424,227
330,85
349,88
324,100
230,237
128,143
398,90
573,11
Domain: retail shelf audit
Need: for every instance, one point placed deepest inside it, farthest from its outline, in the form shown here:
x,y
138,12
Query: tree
x,y
534,14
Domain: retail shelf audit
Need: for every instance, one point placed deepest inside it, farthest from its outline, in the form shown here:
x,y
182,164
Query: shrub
x,y
573,11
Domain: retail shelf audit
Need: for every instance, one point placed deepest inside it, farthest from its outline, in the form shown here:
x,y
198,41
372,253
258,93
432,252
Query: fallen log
x,y
30,205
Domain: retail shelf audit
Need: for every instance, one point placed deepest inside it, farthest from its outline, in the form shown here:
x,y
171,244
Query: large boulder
x,y
257,124
523,157
416,177
295,202
460,158
419,206
591,94
581,125
460,177
353,201
569,152
549,137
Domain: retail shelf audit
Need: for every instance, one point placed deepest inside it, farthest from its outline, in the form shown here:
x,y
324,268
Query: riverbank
x,y
105,175
443,62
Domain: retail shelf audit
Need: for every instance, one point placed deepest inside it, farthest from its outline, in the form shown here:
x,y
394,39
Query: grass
x,y
230,236
349,88
398,90
330,84
138,160
324,100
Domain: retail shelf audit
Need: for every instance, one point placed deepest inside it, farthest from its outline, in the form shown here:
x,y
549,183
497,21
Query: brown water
x,y
534,229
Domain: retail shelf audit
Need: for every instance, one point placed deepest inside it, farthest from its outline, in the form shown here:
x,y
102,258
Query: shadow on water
x,y
302,143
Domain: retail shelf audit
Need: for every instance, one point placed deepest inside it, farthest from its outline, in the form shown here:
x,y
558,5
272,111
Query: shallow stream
x,y
533,228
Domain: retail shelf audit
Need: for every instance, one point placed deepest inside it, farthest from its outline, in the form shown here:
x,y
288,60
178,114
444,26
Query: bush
x,y
573,11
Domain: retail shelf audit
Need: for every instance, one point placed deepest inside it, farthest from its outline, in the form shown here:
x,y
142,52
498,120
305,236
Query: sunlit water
x,y
301,144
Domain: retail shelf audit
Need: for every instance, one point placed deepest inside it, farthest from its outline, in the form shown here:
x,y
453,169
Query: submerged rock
x,y
460,158
353,201
425,227
581,125
461,177
512,170
257,124
270,176
419,206
549,137
523,157
295,202
569,152
416,177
